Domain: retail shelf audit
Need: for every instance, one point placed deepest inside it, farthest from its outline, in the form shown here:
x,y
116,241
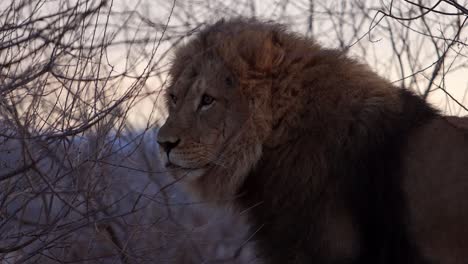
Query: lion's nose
x,y
167,146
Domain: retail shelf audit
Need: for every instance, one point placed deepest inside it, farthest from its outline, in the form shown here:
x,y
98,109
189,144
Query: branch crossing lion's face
x,y
206,110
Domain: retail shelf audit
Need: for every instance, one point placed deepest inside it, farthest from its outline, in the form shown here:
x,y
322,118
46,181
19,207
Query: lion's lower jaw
x,y
220,184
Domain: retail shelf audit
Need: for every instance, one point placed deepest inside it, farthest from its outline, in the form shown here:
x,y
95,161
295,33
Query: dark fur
x,y
364,173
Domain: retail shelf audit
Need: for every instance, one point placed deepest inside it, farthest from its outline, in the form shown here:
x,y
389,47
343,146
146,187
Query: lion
x,y
330,161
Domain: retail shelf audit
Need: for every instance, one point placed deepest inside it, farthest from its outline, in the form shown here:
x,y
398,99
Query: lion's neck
x,y
283,201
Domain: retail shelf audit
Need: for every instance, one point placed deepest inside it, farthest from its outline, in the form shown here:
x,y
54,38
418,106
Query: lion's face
x,y
206,113
220,107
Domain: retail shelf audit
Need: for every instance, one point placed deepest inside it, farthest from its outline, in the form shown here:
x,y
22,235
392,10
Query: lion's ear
x,y
263,51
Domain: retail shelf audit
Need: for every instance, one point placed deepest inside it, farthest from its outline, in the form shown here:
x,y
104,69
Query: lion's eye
x,y
173,98
206,100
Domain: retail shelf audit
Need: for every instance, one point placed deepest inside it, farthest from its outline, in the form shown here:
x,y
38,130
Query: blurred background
x,y
80,105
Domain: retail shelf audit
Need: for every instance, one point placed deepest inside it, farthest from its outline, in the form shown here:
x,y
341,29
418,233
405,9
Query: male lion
x,y
330,161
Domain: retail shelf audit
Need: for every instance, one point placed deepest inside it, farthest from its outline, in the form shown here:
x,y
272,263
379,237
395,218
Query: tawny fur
x,y
323,154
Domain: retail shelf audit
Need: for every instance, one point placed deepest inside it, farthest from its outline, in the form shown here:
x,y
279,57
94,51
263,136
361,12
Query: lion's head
x,y
220,110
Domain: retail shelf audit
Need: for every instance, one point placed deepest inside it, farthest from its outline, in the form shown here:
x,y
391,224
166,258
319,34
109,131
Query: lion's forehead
x,y
192,86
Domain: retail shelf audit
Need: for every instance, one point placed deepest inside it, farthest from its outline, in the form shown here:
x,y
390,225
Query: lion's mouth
x,y
179,172
172,166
